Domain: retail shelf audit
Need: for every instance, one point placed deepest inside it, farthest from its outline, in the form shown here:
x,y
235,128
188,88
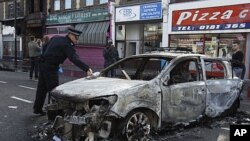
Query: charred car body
x,y
147,92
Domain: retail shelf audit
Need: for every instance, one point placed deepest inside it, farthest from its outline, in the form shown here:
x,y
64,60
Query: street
x,y
17,122
17,96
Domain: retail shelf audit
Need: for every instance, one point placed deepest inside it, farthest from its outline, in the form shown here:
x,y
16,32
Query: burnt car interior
x,y
186,71
145,68
214,69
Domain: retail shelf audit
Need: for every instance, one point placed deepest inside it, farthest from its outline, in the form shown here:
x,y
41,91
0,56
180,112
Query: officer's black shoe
x,y
40,112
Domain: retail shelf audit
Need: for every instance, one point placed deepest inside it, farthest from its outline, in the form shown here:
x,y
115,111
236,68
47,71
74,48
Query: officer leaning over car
x,y
58,49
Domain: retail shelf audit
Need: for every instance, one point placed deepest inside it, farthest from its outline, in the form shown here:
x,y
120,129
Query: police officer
x,y
58,49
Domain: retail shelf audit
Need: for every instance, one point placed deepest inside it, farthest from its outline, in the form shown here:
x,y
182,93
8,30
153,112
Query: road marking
x,y
12,107
224,128
222,138
3,82
26,87
24,100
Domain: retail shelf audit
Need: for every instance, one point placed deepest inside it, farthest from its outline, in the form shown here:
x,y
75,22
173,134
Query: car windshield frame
x,y
138,67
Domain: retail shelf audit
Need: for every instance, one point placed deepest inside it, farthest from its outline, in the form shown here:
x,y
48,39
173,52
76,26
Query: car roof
x,y
170,54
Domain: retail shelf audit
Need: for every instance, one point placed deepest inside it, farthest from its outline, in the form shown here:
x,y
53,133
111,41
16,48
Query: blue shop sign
x,y
150,11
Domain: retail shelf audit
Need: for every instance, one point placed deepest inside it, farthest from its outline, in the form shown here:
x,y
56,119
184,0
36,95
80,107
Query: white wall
x,y
134,33
112,20
165,11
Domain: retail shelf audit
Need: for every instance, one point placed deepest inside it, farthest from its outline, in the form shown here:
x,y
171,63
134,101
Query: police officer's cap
x,y
74,31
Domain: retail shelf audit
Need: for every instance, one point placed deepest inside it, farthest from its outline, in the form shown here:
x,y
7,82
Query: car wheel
x,y
137,127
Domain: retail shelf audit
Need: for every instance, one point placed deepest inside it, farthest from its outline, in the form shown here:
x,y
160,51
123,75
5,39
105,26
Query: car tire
x,y
136,127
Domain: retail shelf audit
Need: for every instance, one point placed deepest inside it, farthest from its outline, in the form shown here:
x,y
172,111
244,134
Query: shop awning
x,y
93,33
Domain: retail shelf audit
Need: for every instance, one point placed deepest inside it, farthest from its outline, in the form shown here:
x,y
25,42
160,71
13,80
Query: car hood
x,y
84,88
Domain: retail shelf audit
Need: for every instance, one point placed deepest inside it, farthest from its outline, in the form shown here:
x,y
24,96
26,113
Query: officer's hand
x,y
89,72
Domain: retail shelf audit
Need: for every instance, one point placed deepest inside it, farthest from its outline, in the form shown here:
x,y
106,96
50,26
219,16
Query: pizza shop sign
x,y
212,18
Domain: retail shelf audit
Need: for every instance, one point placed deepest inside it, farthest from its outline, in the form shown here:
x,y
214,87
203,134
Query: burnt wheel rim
x,y
138,127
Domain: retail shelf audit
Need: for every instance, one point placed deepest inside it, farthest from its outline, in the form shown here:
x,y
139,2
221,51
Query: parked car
x,y
148,92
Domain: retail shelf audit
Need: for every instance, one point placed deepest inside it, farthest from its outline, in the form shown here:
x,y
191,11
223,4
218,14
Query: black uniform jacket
x,y
58,49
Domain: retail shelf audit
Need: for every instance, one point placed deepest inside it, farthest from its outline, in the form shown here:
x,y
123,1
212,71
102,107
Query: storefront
x,y
8,44
210,27
94,24
138,28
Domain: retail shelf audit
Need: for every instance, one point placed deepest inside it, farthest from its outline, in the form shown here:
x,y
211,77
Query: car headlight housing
x,y
102,103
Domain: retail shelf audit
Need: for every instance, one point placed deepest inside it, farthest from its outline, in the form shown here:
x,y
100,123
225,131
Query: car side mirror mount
x,y
165,82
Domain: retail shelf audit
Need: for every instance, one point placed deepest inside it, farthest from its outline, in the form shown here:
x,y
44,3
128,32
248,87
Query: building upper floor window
x,y
18,9
11,13
11,10
103,1
89,2
56,5
68,4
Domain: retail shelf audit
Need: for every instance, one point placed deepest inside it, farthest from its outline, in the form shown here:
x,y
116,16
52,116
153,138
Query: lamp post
x,y
15,35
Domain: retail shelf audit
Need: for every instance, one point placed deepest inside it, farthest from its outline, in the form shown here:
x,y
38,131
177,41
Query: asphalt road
x,y
17,94
18,123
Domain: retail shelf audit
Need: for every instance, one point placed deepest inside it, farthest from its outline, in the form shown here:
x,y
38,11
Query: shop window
x,y
68,4
226,42
56,5
215,45
152,36
211,45
191,42
89,2
9,49
103,1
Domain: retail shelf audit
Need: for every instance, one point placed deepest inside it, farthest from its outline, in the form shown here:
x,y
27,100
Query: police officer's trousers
x,y
48,80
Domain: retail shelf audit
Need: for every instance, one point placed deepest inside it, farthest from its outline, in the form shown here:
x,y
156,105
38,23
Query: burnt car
x,y
148,92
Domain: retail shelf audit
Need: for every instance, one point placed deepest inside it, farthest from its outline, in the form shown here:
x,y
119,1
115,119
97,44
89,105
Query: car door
x,y
222,88
184,100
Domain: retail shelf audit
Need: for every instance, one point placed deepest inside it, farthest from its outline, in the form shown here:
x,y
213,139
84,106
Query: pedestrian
x,y
110,55
34,54
39,42
238,57
58,49
45,43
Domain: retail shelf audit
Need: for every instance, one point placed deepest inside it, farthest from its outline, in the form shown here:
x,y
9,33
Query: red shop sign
x,y
212,18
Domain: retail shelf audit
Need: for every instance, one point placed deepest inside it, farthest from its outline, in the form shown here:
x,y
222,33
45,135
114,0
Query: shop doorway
x,y
130,49
121,48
